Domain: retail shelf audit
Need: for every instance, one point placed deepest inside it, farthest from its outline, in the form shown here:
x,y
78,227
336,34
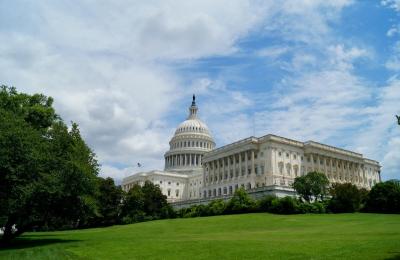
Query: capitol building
x,y
196,171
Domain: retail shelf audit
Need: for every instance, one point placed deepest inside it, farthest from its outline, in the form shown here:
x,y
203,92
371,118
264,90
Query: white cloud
x,y
108,66
395,29
105,64
272,52
394,4
380,137
393,63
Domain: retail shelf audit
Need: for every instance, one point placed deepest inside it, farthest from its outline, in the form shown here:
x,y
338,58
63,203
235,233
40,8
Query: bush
x,y
346,197
286,205
216,207
306,207
139,216
265,203
168,212
384,197
240,203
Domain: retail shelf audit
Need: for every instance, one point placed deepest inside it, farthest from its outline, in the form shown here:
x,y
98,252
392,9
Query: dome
x,y
192,126
191,140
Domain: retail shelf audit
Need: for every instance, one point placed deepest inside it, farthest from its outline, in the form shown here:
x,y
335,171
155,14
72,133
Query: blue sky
x,y
125,71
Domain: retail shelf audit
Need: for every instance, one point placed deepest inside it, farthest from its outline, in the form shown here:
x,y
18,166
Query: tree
x,y
133,205
155,203
108,198
346,197
145,203
47,172
384,197
302,186
314,185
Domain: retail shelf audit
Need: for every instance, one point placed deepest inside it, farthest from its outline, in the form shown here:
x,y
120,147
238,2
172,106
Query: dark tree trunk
x,y
8,234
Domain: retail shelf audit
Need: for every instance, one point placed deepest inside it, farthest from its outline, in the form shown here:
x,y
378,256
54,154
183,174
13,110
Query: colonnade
x,y
338,170
182,160
234,166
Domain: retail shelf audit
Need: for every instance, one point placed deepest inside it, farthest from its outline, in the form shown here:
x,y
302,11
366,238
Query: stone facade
x,y
196,172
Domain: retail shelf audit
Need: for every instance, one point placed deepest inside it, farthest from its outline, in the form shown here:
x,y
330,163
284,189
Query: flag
x,y
139,165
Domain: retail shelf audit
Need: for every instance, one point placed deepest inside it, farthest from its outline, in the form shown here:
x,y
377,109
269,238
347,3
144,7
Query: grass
x,y
247,236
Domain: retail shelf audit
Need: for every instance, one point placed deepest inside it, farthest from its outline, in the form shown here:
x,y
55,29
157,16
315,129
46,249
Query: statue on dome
x,y
194,100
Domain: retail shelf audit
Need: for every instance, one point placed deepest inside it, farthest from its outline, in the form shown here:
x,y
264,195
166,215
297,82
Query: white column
x,y
240,164
312,162
252,162
246,162
223,168
234,165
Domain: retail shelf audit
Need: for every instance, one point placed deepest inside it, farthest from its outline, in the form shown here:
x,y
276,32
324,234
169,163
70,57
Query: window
x,y
169,183
295,157
177,184
287,155
280,154
160,182
177,193
169,192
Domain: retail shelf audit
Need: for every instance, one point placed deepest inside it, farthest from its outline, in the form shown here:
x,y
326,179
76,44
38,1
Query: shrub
x,y
216,207
265,203
318,207
315,208
286,205
384,197
138,216
168,212
240,203
346,197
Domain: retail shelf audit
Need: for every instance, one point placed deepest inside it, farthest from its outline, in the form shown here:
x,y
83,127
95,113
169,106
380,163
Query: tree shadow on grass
x,y
26,242
394,257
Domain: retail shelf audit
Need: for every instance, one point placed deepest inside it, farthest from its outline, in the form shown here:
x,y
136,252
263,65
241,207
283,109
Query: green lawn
x,y
255,236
